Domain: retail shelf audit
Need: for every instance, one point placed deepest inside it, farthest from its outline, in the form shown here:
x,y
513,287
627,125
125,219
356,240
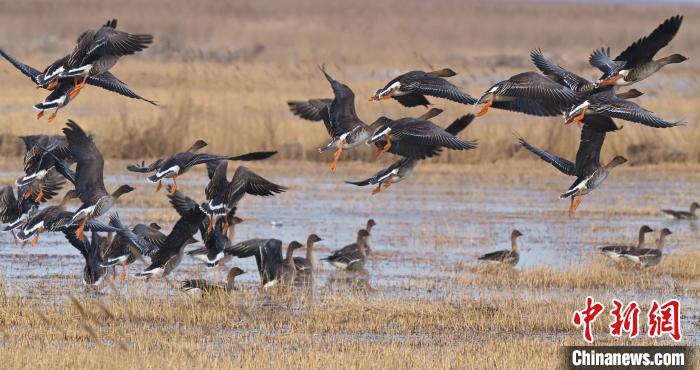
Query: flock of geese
x,y
49,159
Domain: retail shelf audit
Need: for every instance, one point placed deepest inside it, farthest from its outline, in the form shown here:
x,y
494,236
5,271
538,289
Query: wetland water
x,y
426,226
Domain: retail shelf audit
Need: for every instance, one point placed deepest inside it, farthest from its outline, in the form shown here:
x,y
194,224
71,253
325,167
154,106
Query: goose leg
x,y
160,185
122,277
336,157
52,85
174,188
53,115
35,241
28,193
387,146
39,195
485,107
14,237
81,229
388,182
377,190
39,114
76,89
575,202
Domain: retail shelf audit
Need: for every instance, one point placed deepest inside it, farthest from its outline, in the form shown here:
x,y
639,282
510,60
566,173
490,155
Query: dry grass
x,y
342,329
224,72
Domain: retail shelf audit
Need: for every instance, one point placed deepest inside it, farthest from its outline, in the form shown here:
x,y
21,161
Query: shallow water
x,y
424,225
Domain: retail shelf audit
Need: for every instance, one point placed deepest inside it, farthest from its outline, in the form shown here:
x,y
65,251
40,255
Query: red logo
x,y
586,317
626,319
665,319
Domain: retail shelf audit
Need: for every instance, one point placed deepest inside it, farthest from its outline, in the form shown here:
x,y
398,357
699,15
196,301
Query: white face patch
x,y
215,206
585,104
493,89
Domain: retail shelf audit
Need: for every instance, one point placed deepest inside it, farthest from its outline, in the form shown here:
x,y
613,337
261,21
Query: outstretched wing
x,y
309,109
26,70
109,82
559,163
644,49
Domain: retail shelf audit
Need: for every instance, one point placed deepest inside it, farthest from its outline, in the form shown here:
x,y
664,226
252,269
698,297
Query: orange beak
x,y
577,118
610,80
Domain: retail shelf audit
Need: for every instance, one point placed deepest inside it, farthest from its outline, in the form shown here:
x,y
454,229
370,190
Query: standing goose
x,y
89,181
179,163
418,138
506,256
169,255
403,168
636,63
351,257
587,169
529,93
648,257
223,195
200,287
614,252
345,128
410,88
305,265
683,215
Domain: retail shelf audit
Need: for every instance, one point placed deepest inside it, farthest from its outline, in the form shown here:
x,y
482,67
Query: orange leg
x,y
387,146
81,229
53,115
336,157
377,190
35,241
114,270
578,118
377,151
211,224
160,185
28,193
39,114
52,85
226,226
122,277
485,107
174,188
14,237
575,202
76,89
39,195
388,181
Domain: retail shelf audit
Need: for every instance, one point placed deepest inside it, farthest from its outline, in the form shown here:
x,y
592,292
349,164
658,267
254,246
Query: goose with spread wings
x,y
587,169
179,163
410,89
418,138
530,93
344,127
89,177
637,63
403,168
223,195
273,268
15,210
169,255
45,154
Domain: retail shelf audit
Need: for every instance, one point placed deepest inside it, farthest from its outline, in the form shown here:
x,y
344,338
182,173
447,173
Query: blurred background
x,y
223,71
